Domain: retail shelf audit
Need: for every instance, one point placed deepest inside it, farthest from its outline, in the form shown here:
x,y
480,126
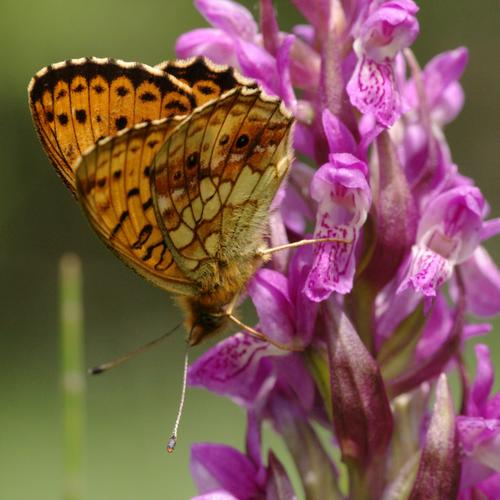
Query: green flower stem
x,y
72,375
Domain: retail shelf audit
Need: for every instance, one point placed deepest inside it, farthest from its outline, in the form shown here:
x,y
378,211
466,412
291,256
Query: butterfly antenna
x,y
302,243
96,370
173,438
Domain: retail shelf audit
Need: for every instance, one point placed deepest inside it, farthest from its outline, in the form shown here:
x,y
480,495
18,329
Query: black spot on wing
x,y
192,160
206,90
121,122
177,105
81,116
122,91
147,97
63,118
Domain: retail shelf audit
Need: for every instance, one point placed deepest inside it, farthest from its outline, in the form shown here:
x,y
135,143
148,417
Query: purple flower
x,y
363,331
247,369
232,368
388,28
448,233
341,189
212,43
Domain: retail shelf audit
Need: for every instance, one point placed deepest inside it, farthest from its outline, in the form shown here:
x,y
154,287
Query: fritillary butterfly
x,y
175,166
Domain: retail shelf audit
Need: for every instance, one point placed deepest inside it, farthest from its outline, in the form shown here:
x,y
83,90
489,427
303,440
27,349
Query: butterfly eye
x,y
192,160
242,141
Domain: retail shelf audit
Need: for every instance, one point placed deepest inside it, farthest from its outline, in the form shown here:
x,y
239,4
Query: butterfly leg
x,y
255,333
261,336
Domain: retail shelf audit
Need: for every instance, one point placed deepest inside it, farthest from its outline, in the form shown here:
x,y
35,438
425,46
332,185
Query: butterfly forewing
x,y
114,188
216,175
207,80
78,102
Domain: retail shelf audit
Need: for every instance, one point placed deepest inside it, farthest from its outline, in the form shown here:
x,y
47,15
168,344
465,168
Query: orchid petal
x,y
213,467
209,42
428,272
233,368
483,383
269,292
340,139
230,17
372,90
481,278
257,63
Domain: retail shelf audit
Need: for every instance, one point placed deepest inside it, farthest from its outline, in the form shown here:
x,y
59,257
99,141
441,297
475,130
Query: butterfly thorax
x,y
207,311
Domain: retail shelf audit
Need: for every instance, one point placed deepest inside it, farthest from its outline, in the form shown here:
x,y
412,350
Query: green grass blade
x,y
72,375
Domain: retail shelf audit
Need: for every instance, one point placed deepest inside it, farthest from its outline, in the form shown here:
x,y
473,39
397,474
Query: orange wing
x,y
113,185
78,102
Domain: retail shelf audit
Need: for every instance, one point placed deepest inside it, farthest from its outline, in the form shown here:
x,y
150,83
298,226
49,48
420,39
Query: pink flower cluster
x,y
380,321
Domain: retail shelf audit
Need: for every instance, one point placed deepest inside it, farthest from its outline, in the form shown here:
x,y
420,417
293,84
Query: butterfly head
x,y
204,322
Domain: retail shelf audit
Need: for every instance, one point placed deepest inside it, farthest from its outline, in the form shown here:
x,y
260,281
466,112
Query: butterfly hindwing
x,y
114,188
216,175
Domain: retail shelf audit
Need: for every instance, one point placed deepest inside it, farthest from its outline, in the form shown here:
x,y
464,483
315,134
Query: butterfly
x,y
175,167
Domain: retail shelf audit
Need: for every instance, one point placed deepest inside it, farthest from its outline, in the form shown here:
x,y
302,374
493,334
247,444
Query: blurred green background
x,y
131,410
